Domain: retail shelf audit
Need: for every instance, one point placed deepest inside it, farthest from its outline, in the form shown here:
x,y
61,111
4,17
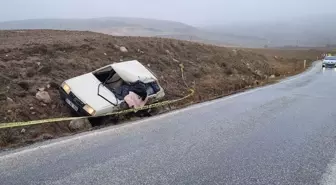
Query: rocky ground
x,y
33,63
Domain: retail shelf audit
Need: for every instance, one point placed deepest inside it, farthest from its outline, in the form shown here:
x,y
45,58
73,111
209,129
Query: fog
x,y
194,12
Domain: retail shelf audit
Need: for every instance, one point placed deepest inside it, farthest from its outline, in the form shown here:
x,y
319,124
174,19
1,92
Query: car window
x,y
115,78
330,58
152,88
104,74
150,91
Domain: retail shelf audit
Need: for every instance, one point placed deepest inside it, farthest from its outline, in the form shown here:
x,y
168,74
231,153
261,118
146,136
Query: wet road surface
x,y
280,134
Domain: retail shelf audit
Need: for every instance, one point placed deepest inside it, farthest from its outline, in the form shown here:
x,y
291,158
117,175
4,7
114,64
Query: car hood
x,y
329,61
85,87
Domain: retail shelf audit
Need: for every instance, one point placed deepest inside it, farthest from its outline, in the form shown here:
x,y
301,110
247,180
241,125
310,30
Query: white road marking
x,y
59,142
329,177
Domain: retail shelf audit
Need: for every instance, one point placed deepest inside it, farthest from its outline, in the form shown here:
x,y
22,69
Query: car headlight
x,y
89,109
66,88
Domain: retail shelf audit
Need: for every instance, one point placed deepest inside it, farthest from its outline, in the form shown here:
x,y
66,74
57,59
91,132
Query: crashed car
x,y
105,90
329,62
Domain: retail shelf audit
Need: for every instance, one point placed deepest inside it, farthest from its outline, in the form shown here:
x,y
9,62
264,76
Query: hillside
x,y
98,23
33,59
122,26
304,31
315,31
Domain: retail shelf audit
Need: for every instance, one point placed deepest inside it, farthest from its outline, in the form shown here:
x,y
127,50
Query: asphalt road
x,y
280,134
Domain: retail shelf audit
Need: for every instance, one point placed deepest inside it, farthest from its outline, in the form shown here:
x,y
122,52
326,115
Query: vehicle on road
x,y
329,61
103,90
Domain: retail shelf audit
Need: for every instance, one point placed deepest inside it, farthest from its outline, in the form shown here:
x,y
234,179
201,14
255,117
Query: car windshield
x,y
330,58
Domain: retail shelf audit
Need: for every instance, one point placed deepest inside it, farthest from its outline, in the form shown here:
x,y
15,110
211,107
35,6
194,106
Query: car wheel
x,y
142,113
154,111
101,121
148,112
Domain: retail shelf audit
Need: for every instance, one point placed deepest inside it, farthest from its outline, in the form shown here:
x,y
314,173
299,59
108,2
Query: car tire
x,y
105,120
154,111
147,112
142,113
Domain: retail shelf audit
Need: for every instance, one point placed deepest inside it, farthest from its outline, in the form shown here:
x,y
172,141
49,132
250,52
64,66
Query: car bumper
x,y
75,101
329,65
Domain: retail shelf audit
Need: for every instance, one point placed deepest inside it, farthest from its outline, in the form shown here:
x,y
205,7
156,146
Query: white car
x,y
329,61
99,92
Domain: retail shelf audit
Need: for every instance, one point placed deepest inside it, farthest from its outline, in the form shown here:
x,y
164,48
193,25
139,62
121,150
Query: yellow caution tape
x,y
52,120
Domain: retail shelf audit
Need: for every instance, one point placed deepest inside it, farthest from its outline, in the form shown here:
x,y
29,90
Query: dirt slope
x,y
43,58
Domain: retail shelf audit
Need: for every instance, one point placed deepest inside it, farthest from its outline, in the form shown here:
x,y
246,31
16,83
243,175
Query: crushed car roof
x,y
132,71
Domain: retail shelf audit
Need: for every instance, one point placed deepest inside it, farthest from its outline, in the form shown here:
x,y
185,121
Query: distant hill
x,y
307,31
109,23
303,32
121,26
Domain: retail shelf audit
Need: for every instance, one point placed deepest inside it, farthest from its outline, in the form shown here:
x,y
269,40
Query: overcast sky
x,y
195,12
